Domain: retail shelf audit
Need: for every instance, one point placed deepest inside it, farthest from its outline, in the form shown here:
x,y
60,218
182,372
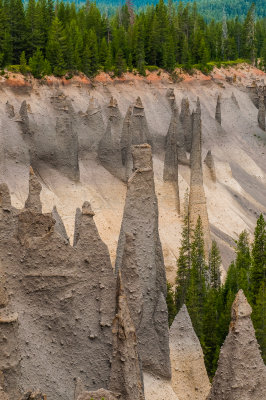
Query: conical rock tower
x,y
147,281
241,372
189,376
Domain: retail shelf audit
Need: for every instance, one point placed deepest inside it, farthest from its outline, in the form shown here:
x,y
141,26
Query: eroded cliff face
x,y
241,372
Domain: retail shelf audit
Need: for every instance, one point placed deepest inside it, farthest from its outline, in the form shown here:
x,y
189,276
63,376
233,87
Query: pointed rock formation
x,y
241,372
65,157
24,119
261,113
89,139
10,110
170,95
135,131
33,202
140,133
234,100
147,280
126,374
197,200
59,224
170,172
100,266
210,164
176,134
109,152
186,121
218,114
189,375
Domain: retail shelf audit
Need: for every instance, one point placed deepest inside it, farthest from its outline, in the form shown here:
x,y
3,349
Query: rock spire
x,y
126,374
109,152
135,131
241,372
186,121
261,113
139,238
197,200
189,375
210,164
218,113
33,202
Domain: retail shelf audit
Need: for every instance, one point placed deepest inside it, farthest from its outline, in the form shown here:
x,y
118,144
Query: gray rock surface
x,y
210,164
126,374
170,172
59,226
24,119
261,113
90,137
33,202
218,112
10,110
186,121
233,98
197,199
170,95
147,281
109,151
135,131
241,372
64,303
189,376
66,140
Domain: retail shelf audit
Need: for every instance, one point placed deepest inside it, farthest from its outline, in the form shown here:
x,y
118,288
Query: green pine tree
x,y
258,269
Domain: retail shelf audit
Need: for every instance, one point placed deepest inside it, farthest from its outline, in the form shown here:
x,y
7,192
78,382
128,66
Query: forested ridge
x,y
45,37
198,285
211,9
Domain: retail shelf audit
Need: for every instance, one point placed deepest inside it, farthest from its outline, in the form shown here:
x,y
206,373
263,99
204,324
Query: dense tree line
x,y
198,285
46,37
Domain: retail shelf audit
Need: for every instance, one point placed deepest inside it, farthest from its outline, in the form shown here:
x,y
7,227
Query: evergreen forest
x,y
46,37
198,285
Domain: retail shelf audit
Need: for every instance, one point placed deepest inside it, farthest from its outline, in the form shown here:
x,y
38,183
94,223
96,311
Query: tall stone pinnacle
x,y
186,121
210,164
109,151
170,95
126,374
135,131
139,246
170,172
33,202
218,114
189,375
261,113
241,372
197,200
24,119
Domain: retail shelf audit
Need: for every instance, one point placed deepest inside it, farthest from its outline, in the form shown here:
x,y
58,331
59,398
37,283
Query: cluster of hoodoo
x,y
69,299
